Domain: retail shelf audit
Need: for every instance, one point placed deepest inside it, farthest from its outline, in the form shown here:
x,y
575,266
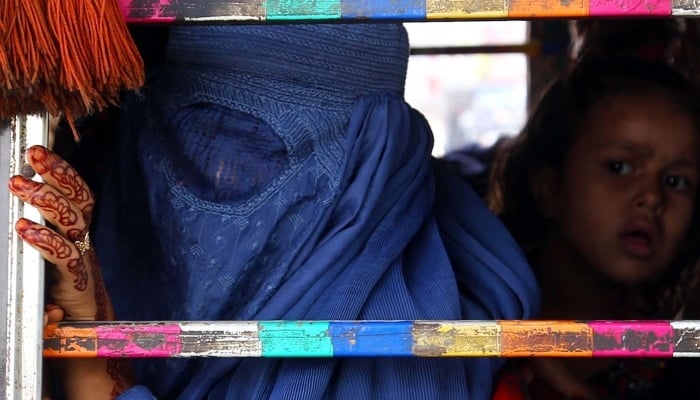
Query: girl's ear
x,y
544,187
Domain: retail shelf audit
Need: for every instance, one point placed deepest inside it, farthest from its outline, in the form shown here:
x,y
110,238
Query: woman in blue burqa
x,y
277,173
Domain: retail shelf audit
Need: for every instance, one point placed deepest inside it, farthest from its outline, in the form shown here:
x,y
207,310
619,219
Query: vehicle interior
x,y
476,69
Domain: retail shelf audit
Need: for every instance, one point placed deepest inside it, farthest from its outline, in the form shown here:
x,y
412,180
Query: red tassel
x,y
65,56
117,61
5,74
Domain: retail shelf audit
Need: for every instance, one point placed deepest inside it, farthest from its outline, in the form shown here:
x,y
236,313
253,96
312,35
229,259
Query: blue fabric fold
x,y
378,237
137,393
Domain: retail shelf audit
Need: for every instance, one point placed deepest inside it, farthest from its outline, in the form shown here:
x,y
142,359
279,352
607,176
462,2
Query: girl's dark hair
x,y
545,141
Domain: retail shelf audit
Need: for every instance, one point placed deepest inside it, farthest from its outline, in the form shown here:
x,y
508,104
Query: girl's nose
x,y
651,199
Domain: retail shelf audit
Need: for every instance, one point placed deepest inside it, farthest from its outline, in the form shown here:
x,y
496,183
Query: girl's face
x,y
623,200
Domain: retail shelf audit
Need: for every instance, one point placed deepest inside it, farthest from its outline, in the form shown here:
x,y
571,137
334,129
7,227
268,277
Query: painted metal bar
x,y
685,8
357,338
634,339
686,338
405,10
466,9
507,339
25,274
301,10
456,339
170,11
624,8
546,339
548,9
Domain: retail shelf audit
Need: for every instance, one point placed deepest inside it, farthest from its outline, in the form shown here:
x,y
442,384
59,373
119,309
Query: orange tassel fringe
x,y
70,57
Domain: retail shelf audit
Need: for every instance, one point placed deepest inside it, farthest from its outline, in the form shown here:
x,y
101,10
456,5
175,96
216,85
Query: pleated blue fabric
x,y
275,172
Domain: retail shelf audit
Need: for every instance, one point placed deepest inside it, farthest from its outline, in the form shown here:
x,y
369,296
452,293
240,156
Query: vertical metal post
x,y
24,272
5,157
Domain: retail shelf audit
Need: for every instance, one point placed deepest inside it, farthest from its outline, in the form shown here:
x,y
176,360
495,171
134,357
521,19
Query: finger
x,y
53,206
55,249
54,313
58,173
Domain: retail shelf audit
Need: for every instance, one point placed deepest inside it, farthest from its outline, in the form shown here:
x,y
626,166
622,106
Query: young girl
x,y
600,190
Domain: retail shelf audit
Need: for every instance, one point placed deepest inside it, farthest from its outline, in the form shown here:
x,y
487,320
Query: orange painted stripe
x,y
546,339
548,8
67,341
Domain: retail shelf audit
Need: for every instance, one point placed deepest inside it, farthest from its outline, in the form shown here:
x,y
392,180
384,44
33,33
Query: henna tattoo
x,y
121,373
40,160
57,206
75,234
67,178
45,239
22,185
45,161
52,243
76,266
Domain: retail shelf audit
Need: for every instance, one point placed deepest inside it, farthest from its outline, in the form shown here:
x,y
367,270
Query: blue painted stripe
x,y
371,338
384,9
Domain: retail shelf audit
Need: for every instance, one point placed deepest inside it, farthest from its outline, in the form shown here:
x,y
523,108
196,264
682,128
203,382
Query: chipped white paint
x,y
220,339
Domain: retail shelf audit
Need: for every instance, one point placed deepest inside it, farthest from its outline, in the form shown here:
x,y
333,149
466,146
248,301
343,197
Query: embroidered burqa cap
x,y
275,172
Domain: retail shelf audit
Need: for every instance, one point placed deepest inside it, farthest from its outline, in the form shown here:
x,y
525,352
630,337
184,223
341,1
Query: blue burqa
x,y
276,172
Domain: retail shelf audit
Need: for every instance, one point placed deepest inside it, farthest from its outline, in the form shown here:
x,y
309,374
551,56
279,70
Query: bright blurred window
x,y
469,100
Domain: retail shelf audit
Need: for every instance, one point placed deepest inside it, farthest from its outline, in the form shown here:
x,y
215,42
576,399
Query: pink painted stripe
x,y
138,341
632,338
630,7
152,14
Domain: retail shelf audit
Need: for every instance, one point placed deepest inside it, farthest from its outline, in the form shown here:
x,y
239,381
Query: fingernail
x,y
50,307
22,226
20,184
37,150
38,156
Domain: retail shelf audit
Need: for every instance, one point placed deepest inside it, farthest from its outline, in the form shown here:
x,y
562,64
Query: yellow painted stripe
x,y
456,338
466,9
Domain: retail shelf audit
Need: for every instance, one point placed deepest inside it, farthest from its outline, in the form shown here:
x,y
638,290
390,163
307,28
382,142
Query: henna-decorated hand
x,y
77,292
66,202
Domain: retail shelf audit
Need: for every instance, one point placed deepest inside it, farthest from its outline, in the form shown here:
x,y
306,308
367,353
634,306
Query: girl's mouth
x,y
638,243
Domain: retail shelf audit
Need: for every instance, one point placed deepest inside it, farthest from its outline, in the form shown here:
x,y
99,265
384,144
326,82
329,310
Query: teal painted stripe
x,y
295,339
302,9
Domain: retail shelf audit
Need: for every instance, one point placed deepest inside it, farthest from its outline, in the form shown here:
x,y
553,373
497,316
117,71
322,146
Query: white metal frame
x,y
23,296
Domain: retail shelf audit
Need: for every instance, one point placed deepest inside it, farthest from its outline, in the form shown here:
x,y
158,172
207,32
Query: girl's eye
x,y
676,182
619,167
